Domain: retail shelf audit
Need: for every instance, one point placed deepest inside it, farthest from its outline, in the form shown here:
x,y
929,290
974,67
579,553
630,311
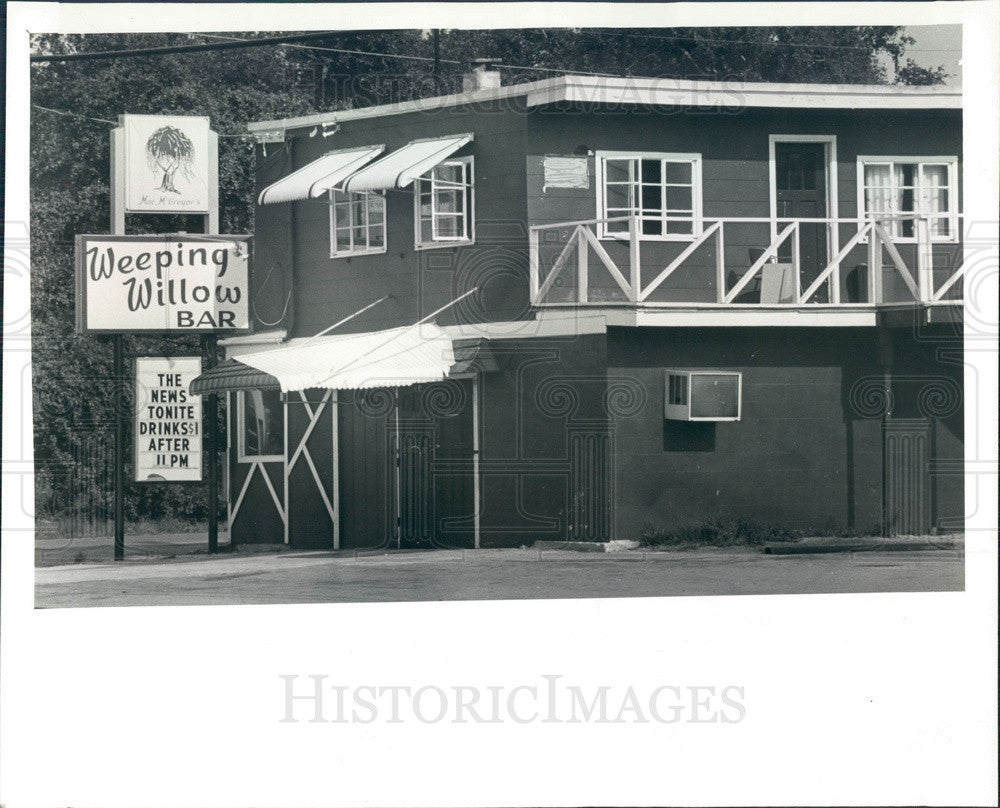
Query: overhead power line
x,y
162,51
81,116
347,51
381,55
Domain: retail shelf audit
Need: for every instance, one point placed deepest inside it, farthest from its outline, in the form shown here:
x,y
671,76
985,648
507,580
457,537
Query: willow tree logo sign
x,y
162,283
167,163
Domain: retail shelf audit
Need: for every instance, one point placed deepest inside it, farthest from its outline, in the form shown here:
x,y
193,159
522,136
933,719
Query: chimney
x,y
481,77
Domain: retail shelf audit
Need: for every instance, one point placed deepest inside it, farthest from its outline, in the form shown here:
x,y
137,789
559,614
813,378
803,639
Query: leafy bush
x,y
717,532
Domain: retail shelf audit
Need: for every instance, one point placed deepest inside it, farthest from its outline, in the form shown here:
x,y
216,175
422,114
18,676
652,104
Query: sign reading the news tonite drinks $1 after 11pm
x,y
162,283
167,420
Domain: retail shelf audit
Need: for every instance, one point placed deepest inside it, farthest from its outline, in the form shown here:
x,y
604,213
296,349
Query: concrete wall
x,y
808,451
798,457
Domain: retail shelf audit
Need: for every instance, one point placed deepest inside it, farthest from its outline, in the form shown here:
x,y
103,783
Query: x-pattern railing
x,y
582,240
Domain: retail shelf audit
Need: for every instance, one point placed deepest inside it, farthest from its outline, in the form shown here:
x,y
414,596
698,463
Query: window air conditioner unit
x,y
703,395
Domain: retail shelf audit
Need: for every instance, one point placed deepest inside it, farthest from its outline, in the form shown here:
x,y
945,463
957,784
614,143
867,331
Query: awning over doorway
x,y
400,168
232,375
319,176
397,357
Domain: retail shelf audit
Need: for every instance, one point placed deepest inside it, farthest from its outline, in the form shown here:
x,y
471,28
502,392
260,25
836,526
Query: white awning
x,y
397,357
319,176
403,166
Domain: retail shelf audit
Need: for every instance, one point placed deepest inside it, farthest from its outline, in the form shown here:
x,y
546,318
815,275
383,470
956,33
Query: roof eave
x,y
660,92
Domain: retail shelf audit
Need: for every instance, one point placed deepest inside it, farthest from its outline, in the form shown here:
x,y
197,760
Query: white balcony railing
x,y
751,262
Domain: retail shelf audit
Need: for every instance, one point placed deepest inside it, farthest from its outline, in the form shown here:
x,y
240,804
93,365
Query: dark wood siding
x,y
326,289
310,525
365,423
271,264
544,429
735,174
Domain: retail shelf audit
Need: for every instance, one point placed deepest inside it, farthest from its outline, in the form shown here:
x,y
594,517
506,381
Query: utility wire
x,y
127,54
347,51
379,54
73,114
104,120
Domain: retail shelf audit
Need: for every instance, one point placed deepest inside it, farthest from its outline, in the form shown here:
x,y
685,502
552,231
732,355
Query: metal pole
x,y
209,349
119,403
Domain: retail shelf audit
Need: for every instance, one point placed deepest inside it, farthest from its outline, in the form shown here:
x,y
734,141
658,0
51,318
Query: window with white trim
x,y
896,186
261,425
357,223
444,204
662,189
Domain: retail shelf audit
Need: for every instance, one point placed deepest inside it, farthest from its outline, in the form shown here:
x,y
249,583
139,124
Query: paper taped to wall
x,y
565,172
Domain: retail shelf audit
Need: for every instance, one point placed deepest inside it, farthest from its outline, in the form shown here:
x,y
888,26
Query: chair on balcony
x,y
856,284
777,283
751,292
774,284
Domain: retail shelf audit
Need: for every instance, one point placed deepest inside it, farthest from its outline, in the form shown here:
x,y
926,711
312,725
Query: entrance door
x,y
433,450
801,193
907,476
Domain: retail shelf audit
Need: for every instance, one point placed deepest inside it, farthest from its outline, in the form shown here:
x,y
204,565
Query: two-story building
x,y
584,308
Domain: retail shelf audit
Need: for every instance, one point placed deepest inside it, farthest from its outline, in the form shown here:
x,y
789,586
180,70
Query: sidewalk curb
x,y
804,548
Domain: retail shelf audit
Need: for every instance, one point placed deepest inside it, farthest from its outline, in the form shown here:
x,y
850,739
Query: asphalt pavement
x,y
332,577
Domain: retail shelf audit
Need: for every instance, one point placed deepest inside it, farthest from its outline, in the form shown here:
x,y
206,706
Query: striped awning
x,y
232,375
400,168
472,355
319,176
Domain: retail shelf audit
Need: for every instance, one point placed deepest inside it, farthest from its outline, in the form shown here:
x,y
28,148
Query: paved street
x,y
324,577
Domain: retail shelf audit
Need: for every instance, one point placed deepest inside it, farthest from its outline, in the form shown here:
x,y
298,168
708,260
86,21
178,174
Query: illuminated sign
x,y
167,439
169,162
162,283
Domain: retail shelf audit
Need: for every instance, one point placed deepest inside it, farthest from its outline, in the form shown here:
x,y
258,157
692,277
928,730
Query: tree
x,y
75,106
169,149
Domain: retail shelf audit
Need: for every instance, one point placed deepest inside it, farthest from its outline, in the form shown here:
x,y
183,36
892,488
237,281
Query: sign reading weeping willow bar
x,y
161,283
167,419
169,162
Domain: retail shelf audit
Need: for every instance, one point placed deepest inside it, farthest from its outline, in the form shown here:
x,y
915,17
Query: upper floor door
x,y
801,192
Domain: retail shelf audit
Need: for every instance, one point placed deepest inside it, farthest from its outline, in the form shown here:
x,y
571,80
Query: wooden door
x,y
434,455
801,193
907,499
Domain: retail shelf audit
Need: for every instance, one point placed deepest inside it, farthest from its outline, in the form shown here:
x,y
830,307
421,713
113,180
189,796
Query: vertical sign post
x,y
119,404
159,164
209,351
212,399
118,229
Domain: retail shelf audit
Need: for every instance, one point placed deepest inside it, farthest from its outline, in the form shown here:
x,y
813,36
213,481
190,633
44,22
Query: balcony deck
x,y
751,271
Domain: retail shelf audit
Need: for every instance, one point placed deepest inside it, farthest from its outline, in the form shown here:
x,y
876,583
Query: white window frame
x,y
469,219
696,218
241,454
681,410
920,161
354,250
